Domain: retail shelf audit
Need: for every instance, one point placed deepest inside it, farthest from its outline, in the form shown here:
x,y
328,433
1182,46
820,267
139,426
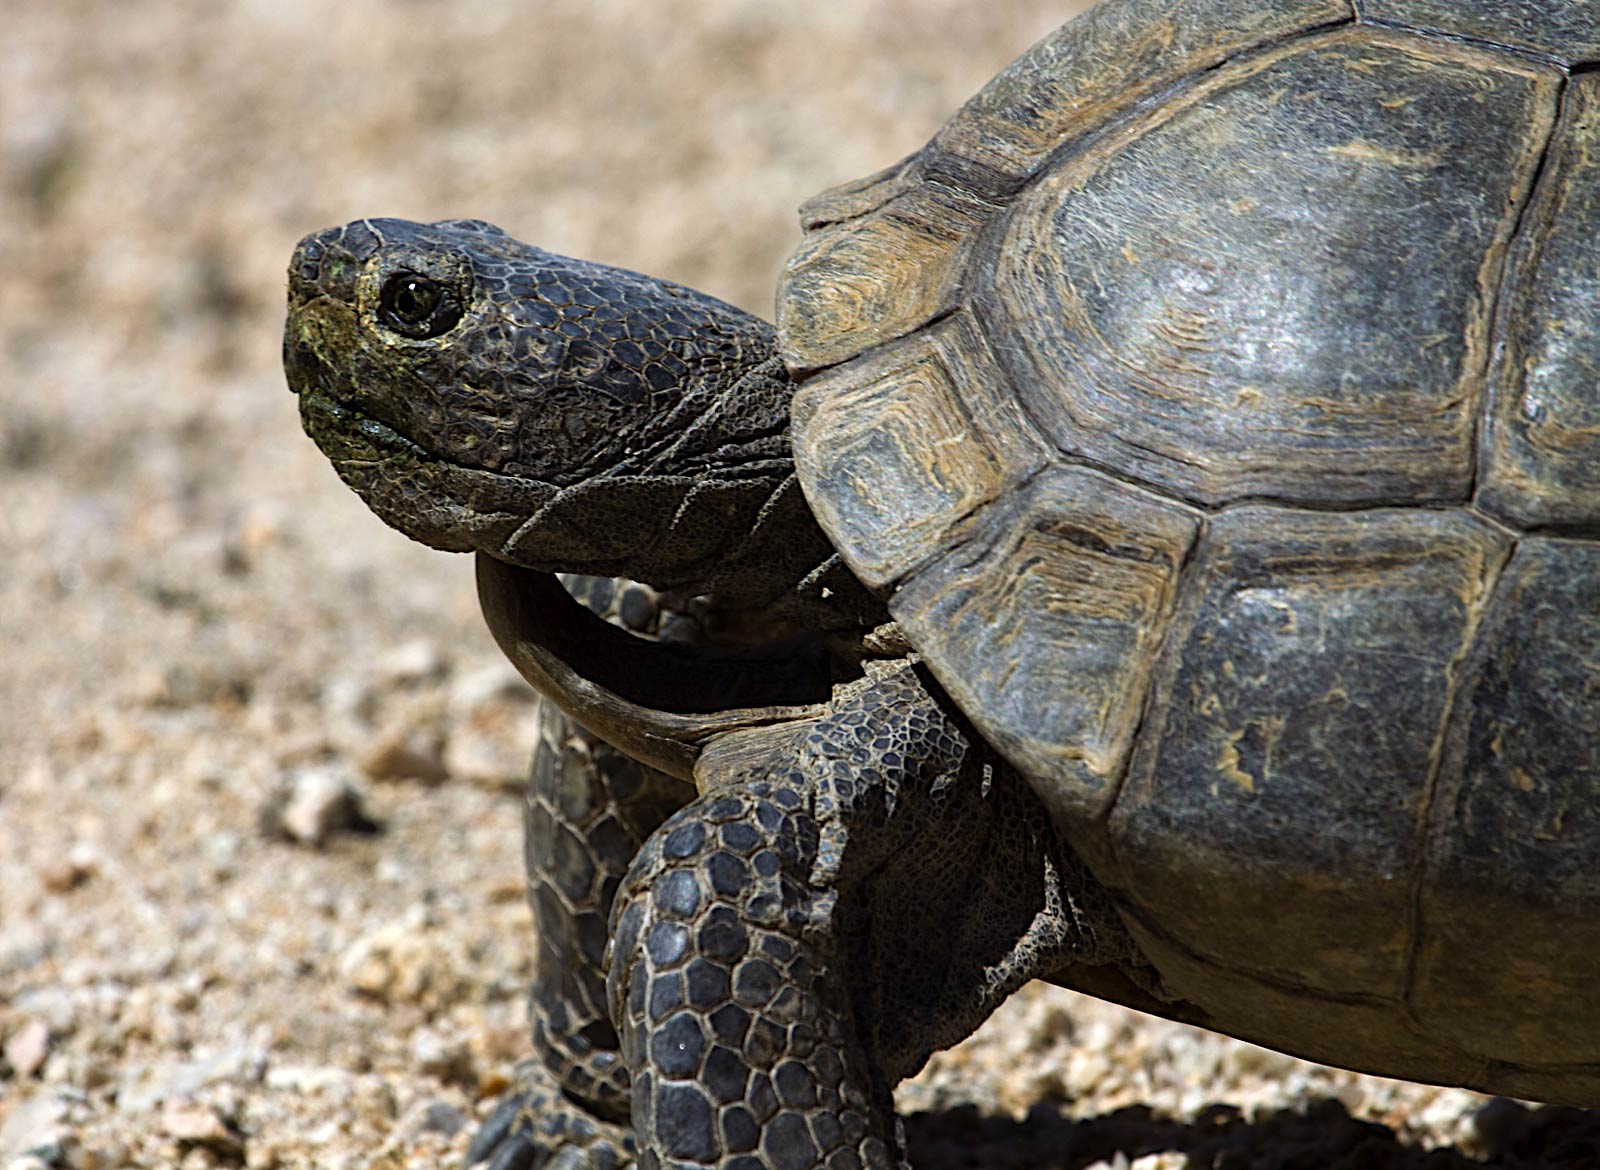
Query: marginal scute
x,y
859,196
1288,1018
1044,627
1285,765
1541,459
896,449
1516,826
873,278
1568,30
1089,70
1181,311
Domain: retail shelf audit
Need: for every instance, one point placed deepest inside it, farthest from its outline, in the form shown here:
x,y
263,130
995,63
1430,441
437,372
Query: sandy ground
x,y
197,620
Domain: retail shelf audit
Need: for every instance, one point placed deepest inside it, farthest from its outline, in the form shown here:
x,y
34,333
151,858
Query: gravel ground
x,y
260,898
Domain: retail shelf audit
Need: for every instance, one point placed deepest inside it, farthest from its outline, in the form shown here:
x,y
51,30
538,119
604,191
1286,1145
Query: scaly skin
x,y
771,971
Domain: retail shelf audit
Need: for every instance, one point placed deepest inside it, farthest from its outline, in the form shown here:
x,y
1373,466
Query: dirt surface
x,y
260,890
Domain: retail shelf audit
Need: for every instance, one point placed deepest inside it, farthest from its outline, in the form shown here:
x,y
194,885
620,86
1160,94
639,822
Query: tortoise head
x,y
483,394
555,415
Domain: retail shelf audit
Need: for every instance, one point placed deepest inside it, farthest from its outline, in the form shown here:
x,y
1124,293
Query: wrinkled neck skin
x,y
703,502
560,415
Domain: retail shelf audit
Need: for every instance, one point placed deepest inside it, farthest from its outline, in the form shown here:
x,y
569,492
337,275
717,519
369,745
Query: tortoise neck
x,y
705,503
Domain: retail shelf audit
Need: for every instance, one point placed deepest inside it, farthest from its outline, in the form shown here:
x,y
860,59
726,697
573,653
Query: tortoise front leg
x,y
588,810
734,1003
850,895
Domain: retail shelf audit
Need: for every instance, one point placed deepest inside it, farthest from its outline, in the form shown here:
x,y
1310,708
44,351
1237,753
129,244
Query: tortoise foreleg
x,y
588,809
850,894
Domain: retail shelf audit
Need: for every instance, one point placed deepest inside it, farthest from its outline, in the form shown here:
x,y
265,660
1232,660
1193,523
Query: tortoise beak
x,y
660,702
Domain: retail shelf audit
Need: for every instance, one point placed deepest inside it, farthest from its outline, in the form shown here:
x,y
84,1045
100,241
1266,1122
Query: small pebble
x,y
222,852
1169,1160
399,963
99,1157
347,697
27,1048
200,1124
432,1116
36,1123
313,803
411,662
75,869
404,755
449,1058
497,762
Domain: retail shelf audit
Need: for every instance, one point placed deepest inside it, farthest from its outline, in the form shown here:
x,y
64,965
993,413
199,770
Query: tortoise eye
x,y
418,307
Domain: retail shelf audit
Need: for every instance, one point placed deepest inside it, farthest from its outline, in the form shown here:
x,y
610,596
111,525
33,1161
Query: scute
x,y
877,277
1182,311
1044,626
902,446
1541,456
1568,30
1516,827
1278,770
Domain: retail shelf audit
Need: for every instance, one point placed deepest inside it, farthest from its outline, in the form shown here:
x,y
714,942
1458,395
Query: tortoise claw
x,y
537,1127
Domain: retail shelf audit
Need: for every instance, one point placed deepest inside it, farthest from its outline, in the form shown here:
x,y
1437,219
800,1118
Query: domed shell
x,y
1216,399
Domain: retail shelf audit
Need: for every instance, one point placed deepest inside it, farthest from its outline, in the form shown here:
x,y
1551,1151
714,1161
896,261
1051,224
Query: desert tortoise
x,y
1174,495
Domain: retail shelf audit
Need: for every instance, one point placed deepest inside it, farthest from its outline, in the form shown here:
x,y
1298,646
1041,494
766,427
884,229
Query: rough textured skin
x,y
1301,306
770,968
1211,405
589,810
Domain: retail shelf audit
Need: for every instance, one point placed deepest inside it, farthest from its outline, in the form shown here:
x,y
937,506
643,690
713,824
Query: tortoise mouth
x,y
660,702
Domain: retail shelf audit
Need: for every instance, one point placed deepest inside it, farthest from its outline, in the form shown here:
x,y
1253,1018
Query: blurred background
x,y
260,875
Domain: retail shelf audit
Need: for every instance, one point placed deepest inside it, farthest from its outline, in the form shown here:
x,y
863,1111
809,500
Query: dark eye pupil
x,y
415,300
418,307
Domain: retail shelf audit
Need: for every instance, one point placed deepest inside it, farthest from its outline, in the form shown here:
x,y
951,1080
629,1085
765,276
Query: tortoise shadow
x,y
1320,1136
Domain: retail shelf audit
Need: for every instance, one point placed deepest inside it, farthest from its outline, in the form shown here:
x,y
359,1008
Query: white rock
x,y
411,662
489,760
1169,1160
449,1058
201,1124
27,1049
315,802
36,1123
400,963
